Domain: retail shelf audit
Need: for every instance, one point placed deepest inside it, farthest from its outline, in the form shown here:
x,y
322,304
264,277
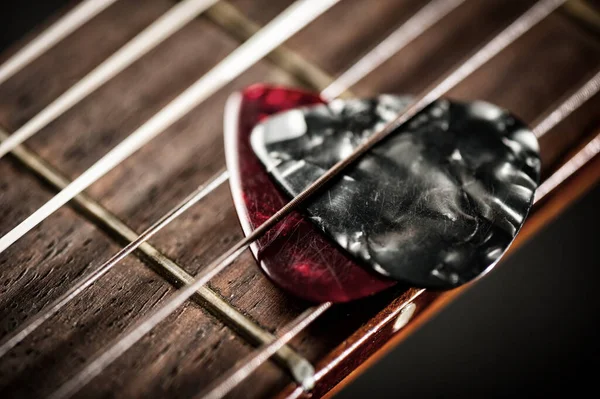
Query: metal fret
x,y
283,26
585,11
507,36
297,365
86,281
75,18
152,36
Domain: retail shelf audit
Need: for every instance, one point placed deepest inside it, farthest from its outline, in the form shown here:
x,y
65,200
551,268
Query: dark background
x,y
528,328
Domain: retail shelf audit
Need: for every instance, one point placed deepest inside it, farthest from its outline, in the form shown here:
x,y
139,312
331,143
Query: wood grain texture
x,y
192,347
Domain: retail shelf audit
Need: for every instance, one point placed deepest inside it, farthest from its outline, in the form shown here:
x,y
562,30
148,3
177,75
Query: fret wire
x,y
30,325
526,21
291,20
560,113
238,26
299,367
68,23
169,23
400,38
87,280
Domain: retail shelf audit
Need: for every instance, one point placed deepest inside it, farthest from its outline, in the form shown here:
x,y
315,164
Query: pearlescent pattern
x,y
434,205
296,255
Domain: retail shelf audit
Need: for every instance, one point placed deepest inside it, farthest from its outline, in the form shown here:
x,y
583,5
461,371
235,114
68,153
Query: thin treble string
x,y
400,38
30,325
294,18
169,23
75,18
231,379
224,384
583,156
573,102
127,340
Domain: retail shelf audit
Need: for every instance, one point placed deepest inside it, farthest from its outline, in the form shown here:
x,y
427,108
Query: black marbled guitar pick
x,y
434,205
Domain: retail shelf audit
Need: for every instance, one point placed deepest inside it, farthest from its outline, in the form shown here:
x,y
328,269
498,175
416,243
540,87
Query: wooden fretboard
x,y
201,340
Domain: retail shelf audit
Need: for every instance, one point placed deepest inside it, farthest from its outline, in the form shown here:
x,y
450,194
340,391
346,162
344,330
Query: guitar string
x,y
566,107
585,154
374,57
225,383
410,30
527,20
288,22
165,26
68,23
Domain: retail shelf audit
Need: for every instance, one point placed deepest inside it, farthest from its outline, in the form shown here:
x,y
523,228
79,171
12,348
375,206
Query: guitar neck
x,y
205,338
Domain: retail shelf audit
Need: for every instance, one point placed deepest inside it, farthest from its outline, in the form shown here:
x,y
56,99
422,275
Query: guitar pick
x,y
295,254
434,205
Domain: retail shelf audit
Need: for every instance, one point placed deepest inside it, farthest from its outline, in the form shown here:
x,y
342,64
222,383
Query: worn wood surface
x,y
192,347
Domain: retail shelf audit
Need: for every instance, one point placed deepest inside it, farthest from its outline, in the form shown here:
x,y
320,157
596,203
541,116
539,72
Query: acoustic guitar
x,y
147,251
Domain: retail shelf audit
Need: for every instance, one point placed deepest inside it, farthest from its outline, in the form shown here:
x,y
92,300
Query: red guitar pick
x,y
294,254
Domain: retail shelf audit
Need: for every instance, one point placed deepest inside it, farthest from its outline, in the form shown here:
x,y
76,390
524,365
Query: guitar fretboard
x,y
239,308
